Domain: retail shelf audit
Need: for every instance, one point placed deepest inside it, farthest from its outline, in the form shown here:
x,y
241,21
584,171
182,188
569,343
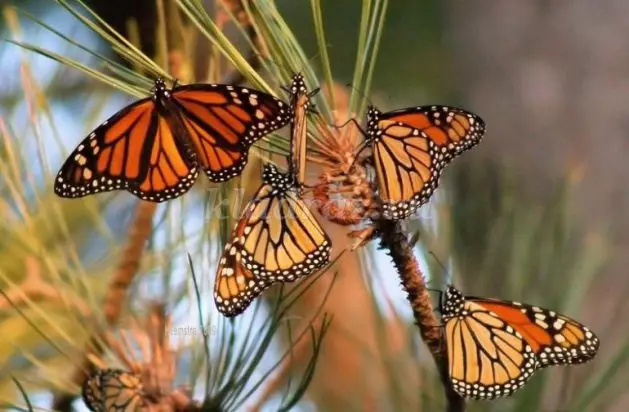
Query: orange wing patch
x,y
556,339
535,335
113,390
235,285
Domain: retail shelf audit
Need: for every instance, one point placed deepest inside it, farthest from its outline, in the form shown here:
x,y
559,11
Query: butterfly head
x,y
278,180
452,302
298,90
160,89
298,84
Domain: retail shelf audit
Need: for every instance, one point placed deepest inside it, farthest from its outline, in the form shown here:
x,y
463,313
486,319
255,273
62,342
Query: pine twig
x,y
393,238
128,267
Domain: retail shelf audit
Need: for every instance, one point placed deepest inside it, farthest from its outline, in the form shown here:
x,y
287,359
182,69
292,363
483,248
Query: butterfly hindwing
x,y
486,357
411,147
113,390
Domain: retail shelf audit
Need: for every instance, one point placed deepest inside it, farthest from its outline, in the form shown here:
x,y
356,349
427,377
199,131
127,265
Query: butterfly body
x,y
277,238
155,147
412,146
495,346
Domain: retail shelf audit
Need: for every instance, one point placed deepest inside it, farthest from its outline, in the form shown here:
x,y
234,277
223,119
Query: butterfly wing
x,y
277,239
223,121
113,390
411,148
555,338
494,346
487,358
91,392
299,133
134,150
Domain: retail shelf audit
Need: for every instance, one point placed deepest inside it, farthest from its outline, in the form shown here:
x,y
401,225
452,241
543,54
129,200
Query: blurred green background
x,y
539,212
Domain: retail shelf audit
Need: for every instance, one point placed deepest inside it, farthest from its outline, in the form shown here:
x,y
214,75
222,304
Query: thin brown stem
x,y
128,268
395,240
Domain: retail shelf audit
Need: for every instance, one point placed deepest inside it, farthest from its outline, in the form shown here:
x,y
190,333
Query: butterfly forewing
x,y
99,164
411,149
556,339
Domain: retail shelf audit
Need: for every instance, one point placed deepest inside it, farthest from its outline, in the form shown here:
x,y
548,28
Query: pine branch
x,y
393,238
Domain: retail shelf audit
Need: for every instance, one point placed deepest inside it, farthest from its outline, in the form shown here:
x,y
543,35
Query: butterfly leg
x,y
362,236
352,120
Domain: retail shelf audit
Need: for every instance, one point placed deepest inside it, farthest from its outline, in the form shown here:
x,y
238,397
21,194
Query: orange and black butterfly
x,y
494,346
113,390
412,146
155,147
277,238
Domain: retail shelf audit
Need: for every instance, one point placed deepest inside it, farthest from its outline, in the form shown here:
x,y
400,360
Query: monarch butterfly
x,y
277,238
494,346
112,390
300,105
412,146
155,147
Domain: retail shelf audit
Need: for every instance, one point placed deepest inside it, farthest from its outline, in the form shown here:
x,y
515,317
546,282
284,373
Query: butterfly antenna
x,y
361,148
289,69
309,60
361,94
414,239
352,120
438,261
